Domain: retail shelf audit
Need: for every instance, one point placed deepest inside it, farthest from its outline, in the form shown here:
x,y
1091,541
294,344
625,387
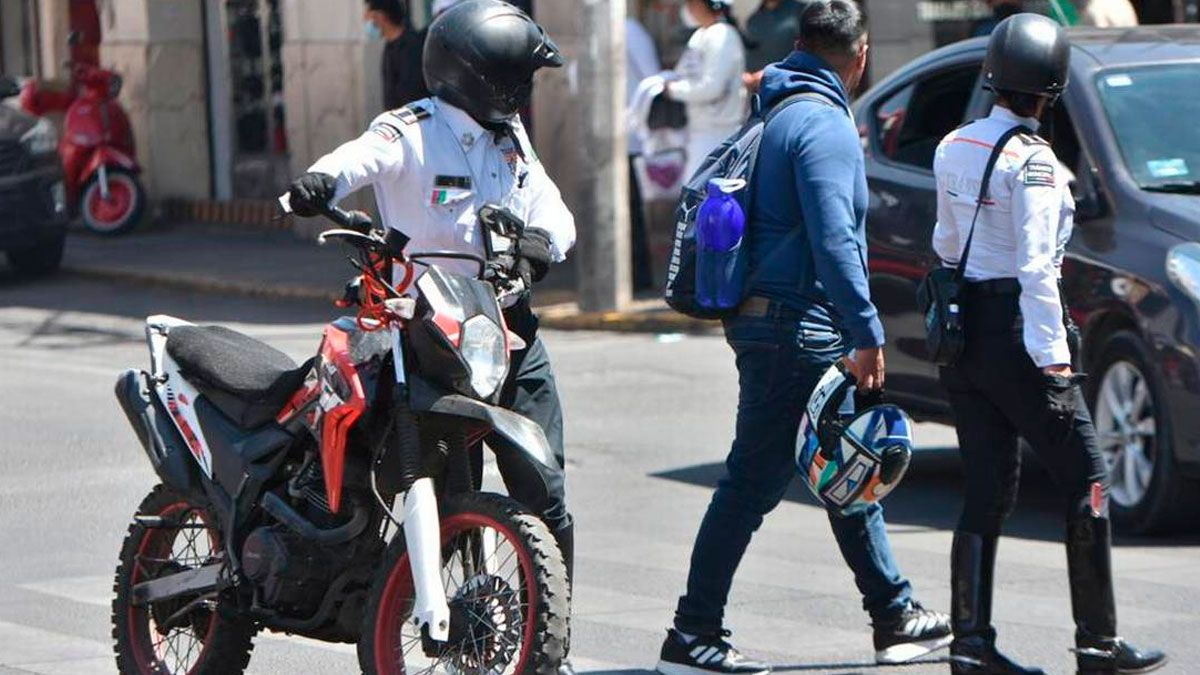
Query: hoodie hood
x,y
801,73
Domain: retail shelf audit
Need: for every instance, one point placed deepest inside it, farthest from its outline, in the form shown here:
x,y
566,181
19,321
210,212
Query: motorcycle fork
x,y
422,525
102,179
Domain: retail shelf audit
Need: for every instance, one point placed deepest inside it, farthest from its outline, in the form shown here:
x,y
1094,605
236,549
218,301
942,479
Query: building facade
x,y
230,98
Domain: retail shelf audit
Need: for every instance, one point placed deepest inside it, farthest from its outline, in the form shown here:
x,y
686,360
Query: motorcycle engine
x,y
290,572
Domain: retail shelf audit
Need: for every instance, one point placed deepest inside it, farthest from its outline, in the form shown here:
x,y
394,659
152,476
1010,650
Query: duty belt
x,y
1006,286
756,306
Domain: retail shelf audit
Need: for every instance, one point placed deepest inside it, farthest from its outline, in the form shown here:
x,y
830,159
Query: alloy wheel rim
x,y
1126,428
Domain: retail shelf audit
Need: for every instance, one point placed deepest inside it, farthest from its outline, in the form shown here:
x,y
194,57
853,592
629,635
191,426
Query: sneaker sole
x,y
908,651
669,668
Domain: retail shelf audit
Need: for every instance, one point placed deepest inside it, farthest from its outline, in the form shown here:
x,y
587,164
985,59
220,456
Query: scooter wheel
x,y
121,211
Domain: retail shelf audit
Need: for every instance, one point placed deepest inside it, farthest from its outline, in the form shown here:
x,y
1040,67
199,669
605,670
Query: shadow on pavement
x,y
851,668
66,293
931,497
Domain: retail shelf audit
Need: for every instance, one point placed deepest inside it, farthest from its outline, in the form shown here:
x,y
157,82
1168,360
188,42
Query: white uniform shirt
x,y
1023,226
432,166
710,81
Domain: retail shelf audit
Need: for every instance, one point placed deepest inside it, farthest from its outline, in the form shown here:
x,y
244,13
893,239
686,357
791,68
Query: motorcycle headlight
x,y
1183,268
41,139
483,349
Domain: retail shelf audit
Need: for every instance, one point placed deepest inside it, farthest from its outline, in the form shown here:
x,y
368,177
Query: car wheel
x,y
39,260
1133,426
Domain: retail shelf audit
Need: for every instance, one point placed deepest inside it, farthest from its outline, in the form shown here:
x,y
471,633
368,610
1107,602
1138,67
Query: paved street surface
x,y
648,421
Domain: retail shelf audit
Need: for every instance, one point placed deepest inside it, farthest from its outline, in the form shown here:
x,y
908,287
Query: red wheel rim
x,y
117,208
396,604
149,654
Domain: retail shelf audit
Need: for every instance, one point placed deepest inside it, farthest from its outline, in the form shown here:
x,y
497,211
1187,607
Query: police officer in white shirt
x,y
1014,378
434,162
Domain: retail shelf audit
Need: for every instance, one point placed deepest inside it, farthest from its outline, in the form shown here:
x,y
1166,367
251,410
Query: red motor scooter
x,y
96,147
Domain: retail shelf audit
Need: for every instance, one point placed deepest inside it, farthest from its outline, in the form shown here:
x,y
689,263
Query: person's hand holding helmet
x,y
867,366
311,193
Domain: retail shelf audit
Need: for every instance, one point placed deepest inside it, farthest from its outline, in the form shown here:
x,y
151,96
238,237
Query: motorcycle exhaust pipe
x,y
160,439
297,523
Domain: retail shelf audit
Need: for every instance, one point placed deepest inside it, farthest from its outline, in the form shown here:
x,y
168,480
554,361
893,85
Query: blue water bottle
x,y
720,226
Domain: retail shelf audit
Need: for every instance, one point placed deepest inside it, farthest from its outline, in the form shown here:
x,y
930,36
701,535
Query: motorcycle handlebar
x,y
349,220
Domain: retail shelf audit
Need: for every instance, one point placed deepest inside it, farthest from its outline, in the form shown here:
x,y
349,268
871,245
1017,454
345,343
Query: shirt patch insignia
x,y
441,196
460,182
386,131
411,114
1039,173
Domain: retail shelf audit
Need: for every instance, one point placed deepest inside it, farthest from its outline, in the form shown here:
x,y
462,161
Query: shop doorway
x,y
246,108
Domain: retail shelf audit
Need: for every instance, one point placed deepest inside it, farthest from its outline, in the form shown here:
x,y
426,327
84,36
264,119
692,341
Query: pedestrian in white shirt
x,y
710,78
1004,218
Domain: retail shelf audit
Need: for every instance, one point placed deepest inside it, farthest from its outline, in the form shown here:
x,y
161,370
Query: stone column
x,y
54,24
579,126
157,46
331,81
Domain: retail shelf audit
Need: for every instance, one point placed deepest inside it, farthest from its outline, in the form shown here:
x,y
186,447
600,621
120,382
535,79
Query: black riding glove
x,y
533,256
311,193
1061,405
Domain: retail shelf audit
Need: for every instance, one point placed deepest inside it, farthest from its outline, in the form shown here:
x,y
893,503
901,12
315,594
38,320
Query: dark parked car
x,y
33,213
1127,127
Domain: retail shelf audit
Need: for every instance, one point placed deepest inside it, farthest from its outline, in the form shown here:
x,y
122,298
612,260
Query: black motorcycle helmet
x,y
1028,54
480,55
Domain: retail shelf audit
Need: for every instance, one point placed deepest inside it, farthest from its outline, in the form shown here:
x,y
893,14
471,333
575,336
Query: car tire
x,y
43,259
1144,498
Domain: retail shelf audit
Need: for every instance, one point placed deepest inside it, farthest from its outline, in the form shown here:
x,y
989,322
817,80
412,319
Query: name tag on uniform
x,y
450,189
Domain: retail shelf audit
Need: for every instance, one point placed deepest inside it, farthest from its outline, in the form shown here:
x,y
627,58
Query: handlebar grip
x,y
349,220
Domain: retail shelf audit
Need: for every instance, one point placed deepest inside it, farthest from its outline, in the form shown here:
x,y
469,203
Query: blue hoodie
x,y
808,247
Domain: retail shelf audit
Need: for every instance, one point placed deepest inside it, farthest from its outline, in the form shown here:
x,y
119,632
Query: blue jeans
x,y
779,362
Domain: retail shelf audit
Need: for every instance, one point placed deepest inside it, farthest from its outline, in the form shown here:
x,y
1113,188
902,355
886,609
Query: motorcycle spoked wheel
x,y
121,211
506,585
207,643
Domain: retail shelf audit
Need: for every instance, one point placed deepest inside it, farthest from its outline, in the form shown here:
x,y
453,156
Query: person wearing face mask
x,y
403,81
807,306
435,162
710,77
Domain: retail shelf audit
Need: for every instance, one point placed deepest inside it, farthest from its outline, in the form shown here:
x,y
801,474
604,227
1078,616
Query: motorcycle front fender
x,y
106,155
520,431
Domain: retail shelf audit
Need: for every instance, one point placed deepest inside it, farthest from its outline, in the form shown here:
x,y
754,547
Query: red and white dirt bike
x,y
340,499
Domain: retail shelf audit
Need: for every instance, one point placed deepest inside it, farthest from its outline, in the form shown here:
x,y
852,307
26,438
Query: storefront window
x,y
255,37
18,26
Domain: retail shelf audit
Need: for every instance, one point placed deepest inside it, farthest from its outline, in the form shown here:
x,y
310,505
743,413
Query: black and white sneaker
x,y
703,655
915,633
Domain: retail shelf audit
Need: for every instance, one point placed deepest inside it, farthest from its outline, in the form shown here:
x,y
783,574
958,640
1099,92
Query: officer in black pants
x,y
1014,378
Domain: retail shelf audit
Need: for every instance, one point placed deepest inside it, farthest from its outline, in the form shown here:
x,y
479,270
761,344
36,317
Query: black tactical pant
x,y
999,395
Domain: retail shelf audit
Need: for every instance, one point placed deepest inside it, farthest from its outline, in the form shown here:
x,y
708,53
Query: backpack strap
x,y
782,103
984,186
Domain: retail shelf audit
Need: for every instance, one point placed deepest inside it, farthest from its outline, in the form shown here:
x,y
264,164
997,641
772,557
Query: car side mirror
x,y
8,87
1090,201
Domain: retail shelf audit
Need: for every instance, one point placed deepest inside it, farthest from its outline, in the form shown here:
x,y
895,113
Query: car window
x,y
1155,123
911,122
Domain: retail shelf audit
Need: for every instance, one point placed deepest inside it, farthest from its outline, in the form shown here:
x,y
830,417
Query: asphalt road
x,y
648,422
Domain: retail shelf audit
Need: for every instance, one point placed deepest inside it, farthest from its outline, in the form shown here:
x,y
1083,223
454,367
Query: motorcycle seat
x,y
247,380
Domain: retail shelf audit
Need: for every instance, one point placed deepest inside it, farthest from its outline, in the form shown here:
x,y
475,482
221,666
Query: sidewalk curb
x,y
198,284
557,317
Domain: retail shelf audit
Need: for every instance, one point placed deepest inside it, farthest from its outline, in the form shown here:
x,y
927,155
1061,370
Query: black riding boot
x,y
1089,566
973,652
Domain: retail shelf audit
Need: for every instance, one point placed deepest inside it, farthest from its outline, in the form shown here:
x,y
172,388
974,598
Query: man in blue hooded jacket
x,y
808,305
